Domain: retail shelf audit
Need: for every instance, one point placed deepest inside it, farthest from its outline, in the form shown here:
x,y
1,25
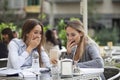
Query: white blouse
x,y
19,58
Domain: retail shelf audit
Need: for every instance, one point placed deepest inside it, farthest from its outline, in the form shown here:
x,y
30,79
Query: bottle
x,y
35,62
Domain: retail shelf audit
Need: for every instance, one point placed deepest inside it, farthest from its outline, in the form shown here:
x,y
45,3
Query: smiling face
x,y
73,35
36,32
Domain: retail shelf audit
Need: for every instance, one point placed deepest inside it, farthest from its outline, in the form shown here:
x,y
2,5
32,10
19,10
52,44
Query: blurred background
x,y
103,16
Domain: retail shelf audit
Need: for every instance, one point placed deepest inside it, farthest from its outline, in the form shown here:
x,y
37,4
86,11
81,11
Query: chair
x,y
3,62
112,73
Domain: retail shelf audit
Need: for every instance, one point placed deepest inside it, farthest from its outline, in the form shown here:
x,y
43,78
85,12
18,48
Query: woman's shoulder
x,y
91,45
17,41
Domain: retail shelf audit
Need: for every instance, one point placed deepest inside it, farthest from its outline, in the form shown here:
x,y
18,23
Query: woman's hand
x,y
53,61
33,43
70,45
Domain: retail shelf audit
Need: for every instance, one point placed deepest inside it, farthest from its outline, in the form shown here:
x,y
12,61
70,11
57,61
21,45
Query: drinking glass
x,y
108,56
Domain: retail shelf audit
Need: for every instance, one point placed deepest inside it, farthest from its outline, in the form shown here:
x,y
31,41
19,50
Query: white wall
x,y
108,7
62,8
69,8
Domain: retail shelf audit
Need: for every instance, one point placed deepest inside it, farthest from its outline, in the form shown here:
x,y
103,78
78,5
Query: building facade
x,y
108,11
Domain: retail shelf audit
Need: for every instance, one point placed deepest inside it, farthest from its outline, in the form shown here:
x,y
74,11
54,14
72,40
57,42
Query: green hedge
x,y
106,35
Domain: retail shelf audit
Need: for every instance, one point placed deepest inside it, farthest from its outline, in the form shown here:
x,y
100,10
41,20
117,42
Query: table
x,y
47,76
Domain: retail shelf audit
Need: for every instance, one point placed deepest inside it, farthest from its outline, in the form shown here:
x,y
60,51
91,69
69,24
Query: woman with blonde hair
x,y
81,48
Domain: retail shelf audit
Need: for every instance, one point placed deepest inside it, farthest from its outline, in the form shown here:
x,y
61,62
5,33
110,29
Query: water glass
x,y
55,72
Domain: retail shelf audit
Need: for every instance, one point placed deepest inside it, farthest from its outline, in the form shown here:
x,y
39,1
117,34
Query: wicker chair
x,y
3,62
111,73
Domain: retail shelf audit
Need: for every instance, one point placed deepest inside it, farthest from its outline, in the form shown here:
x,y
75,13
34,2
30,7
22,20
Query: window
x,y
33,2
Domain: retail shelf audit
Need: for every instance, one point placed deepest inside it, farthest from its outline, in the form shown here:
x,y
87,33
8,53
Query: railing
x,y
3,62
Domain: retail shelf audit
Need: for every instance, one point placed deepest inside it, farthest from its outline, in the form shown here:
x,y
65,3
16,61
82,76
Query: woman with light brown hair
x,y
22,50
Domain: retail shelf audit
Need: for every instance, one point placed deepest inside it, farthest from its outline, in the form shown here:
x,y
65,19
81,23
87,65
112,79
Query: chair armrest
x,y
3,62
3,59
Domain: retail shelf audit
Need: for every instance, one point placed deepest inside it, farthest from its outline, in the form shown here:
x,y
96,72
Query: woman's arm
x,y
96,63
96,59
16,60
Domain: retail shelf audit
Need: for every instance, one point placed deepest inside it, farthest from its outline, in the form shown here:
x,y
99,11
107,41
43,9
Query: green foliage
x,y
117,65
106,35
8,25
42,16
71,19
45,28
61,25
61,31
62,36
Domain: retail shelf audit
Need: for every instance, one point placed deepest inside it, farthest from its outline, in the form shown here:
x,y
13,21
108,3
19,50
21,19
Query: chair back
x,y
3,62
111,72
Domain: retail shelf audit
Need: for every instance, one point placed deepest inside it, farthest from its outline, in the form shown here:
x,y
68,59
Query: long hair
x,y
84,40
27,27
50,37
78,26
